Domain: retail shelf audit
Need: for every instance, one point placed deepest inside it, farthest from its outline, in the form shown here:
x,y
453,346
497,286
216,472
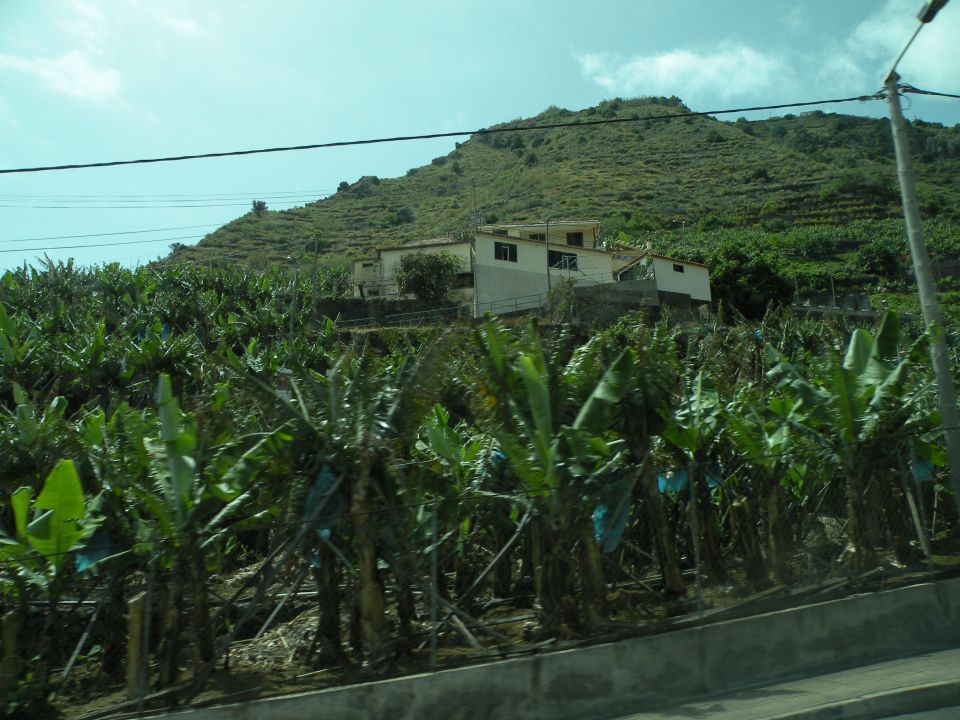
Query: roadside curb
x,y
887,704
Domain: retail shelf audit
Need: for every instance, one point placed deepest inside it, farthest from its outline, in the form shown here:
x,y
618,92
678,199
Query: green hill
x,y
647,175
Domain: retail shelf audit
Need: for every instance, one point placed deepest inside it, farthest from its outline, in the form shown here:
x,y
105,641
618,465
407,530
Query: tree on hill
x,y
747,277
259,207
429,276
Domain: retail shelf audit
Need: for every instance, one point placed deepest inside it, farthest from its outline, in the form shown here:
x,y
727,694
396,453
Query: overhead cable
x,y
432,136
99,245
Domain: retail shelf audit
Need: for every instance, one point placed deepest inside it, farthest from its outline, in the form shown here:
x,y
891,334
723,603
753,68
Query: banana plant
x,y
186,509
857,405
694,429
556,431
36,557
765,431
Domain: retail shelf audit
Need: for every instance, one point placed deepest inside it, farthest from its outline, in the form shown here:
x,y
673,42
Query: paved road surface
x,y
916,678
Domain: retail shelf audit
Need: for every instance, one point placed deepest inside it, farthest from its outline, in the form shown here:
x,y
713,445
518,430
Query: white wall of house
x,y
364,276
681,277
559,233
511,272
379,275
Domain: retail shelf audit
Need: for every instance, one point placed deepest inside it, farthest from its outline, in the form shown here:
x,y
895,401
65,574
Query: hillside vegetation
x,y
206,440
637,177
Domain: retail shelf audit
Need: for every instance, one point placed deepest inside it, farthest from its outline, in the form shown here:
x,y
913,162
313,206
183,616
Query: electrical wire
x,y
108,234
918,91
146,207
99,245
433,136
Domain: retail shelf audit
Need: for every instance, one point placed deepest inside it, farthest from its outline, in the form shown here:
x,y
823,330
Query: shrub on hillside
x,y
428,276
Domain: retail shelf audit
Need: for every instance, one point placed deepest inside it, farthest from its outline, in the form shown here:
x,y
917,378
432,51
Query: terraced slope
x,y
648,174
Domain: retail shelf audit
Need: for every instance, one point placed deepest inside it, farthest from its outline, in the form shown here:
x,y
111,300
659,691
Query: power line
x,y
99,245
918,91
432,136
123,232
143,207
158,196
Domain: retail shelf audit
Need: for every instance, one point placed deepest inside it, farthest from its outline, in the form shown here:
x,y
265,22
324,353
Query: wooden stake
x,y
11,664
136,683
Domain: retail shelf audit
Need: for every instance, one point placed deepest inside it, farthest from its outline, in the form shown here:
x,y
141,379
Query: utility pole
x,y
932,316
476,211
546,240
316,250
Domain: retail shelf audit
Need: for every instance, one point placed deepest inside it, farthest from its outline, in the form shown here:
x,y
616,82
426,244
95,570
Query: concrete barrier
x,y
644,673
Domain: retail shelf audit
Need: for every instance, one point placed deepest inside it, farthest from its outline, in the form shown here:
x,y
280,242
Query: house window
x,y
505,251
368,265
575,239
500,231
562,260
677,268
537,236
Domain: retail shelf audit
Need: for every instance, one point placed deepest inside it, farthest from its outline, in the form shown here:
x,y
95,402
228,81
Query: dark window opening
x,y
678,268
575,239
562,260
463,280
499,231
505,251
538,236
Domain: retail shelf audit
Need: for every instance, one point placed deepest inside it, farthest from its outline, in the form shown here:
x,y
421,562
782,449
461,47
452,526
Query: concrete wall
x,y
601,305
693,281
644,673
357,309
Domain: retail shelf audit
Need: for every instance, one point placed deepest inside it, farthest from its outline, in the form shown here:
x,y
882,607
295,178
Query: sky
x,y
96,80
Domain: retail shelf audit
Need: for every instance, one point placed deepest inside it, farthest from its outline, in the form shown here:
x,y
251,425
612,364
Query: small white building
x,y
671,275
515,265
375,277
511,267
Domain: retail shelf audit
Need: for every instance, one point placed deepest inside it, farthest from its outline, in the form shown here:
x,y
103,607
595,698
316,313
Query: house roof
x,y
539,224
647,254
430,242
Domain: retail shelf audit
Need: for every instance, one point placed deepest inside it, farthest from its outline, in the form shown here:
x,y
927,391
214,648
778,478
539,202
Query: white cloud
x,y
854,65
729,71
6,114
72,74
797,18
181,25
931,61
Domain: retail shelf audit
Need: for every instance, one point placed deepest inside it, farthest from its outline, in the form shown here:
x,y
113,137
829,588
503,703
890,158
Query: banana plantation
x,y
284,500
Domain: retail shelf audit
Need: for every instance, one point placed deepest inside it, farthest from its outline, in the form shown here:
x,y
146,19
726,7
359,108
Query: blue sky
x,y
86,80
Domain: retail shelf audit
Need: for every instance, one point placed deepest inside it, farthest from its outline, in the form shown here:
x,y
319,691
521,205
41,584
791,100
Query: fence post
x,y
136,682
11,664
433,588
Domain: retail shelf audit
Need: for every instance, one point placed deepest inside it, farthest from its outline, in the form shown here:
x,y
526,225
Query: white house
x,y
515,265
672,275
511,267
376,277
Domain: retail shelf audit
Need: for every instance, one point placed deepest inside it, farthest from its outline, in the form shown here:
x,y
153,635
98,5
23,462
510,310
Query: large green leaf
x,y
600,408
179,446
859,351
20,502
55,532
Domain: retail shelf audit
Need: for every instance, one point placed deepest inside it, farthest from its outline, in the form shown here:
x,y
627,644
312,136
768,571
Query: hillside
x,y
652,174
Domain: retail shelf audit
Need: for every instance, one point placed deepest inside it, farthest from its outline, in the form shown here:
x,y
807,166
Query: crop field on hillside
x,y
296,504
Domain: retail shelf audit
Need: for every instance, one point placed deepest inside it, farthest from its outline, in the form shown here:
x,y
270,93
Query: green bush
x,y
428,276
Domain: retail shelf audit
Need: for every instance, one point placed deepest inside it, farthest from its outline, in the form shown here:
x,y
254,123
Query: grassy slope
x,y
815,168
